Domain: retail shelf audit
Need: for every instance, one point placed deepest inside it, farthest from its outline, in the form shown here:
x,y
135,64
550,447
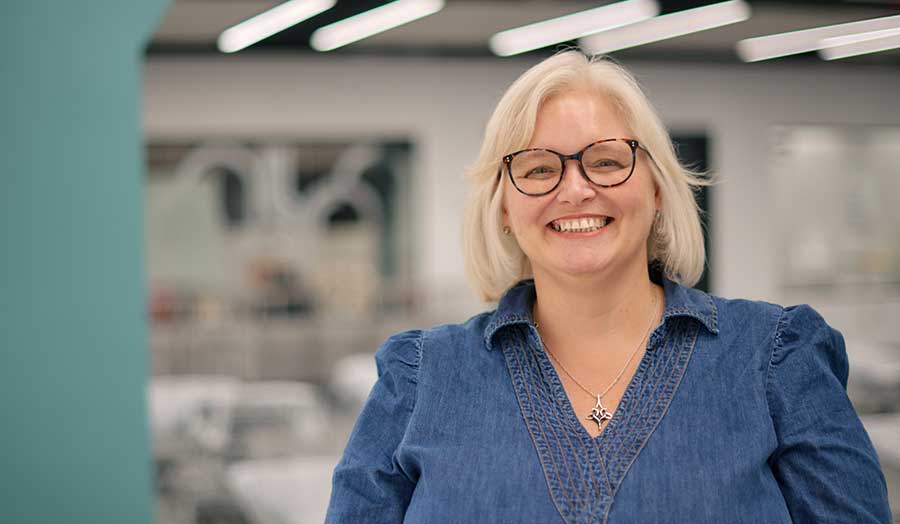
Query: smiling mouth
x,y
580,225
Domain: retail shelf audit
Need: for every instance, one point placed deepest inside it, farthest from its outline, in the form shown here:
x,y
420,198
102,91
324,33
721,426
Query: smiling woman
x,y
601,95
552,230
603,388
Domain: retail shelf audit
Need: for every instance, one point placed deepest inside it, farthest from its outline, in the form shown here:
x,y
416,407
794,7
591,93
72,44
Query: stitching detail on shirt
x,y
502,322
530,422
676,371
604,470
614,446
709,318
770,369
562,399
583,471
420,344
715,312
640,413
549,409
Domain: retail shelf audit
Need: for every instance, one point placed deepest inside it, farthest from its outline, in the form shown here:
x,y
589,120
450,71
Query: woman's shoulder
x,y
777,328
771,314
469,333
452,340
786,341
748,323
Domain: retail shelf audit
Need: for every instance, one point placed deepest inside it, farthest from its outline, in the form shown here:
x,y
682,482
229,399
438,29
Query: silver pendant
x,y
599,414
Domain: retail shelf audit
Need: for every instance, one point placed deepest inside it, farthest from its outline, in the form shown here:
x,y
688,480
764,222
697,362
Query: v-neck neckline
x,y
562,396
584,472
652,336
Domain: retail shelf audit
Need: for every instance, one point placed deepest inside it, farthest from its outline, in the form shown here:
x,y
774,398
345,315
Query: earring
x,y
657,223
506,230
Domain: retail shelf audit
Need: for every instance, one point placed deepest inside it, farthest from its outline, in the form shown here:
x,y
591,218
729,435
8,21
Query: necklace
x,y
599,413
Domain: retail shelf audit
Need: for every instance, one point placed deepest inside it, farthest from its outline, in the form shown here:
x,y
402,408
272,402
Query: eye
x,y
604,165
605,162
541,172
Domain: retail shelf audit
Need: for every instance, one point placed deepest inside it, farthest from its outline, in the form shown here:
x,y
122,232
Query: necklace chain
x,y
622,372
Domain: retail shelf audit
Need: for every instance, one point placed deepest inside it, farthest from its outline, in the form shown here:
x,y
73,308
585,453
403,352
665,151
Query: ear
x,y
504,211
657,196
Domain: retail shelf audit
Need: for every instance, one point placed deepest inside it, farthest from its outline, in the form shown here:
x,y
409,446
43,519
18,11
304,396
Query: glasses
x,y
605,163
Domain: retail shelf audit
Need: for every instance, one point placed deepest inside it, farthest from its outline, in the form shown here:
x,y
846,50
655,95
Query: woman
x,y
603,388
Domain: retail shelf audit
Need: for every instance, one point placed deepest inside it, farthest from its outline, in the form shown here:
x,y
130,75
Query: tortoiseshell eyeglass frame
x,y
634,144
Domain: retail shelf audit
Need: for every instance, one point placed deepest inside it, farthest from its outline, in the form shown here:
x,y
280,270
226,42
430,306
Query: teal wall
x,y
74,444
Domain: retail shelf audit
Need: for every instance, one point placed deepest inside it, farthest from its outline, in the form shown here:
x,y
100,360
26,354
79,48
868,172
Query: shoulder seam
x,y
714,309
776,345
420,342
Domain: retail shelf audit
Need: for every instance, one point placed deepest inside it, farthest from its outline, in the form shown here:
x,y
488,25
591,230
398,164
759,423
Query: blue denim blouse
x,y
737,412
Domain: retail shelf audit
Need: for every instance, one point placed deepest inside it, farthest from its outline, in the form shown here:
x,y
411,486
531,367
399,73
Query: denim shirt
x,y
737,412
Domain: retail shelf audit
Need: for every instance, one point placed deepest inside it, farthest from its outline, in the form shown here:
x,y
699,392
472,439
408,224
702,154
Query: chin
x,y
585,271
582,268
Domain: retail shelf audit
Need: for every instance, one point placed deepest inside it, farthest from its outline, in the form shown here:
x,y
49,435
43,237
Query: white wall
x,y
443,104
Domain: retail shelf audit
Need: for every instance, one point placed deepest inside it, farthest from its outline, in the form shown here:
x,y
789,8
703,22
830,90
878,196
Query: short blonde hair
x,y
494,261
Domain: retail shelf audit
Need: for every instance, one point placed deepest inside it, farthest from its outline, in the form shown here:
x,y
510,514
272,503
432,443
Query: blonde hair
x,y
494,261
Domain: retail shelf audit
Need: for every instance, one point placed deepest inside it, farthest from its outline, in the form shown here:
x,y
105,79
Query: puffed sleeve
x,y
370,484
825,464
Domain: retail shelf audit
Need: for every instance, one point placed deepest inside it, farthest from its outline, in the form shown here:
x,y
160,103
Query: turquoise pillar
x,y
74,444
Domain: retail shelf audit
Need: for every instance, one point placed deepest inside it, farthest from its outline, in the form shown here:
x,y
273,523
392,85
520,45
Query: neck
x,y
580,317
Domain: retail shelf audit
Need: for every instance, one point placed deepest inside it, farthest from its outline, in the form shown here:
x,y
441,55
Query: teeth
x,y
579,225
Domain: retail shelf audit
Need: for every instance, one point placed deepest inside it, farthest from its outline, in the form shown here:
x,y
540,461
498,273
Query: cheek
x,y
515,209
645,199
529,215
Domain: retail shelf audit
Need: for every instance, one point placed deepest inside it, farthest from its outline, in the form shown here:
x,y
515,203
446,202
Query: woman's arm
x,y
370,484
825,464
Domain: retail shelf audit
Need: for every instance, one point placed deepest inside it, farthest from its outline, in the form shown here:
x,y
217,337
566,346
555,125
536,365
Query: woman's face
x,y
567,123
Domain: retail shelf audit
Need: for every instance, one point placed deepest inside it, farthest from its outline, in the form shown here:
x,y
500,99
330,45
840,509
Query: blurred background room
x,y
304,202
302,188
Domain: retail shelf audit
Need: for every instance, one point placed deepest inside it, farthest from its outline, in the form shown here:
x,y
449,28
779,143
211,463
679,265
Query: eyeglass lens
x,y
605,163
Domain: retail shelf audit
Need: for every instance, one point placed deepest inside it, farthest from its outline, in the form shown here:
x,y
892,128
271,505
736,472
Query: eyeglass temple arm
x,y
641,146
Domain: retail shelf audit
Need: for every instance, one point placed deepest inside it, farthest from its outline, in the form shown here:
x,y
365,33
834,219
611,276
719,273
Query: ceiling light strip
x,y
859,37
372,22
572,26
795,42
874,44
667,26
270,22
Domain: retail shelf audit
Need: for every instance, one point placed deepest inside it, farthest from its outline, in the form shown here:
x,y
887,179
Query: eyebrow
x,y
583,146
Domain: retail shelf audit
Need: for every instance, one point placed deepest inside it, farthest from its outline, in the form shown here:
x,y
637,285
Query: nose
x,y
574,187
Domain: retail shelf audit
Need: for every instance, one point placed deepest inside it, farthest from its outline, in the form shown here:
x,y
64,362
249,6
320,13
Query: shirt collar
x,y
515,307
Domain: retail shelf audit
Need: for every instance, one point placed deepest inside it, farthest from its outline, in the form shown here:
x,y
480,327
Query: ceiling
x,y
463,28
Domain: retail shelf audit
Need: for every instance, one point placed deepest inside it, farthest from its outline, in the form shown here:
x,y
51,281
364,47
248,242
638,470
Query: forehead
x,y
574,119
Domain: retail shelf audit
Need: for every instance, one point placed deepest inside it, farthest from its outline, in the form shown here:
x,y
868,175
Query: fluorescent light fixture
x,y
859,37
572,26
794,42
270,22
667,26
372,22
861,44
